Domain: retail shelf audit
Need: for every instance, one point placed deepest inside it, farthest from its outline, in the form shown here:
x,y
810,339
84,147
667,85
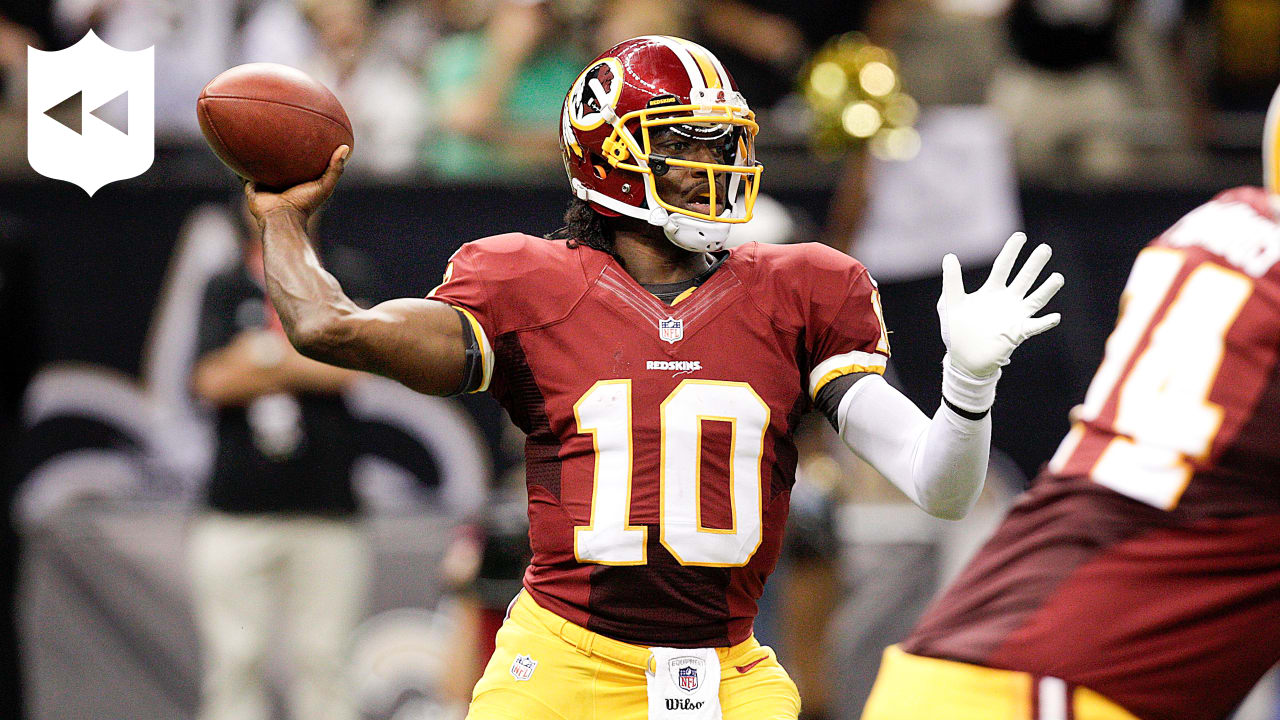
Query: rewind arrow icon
x,y
70,113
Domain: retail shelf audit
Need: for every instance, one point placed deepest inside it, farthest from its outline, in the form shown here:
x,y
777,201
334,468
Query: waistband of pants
x,y
1039,697
593,644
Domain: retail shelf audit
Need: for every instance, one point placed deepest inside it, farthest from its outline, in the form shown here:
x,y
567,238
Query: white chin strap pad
x,y
683,231
695,235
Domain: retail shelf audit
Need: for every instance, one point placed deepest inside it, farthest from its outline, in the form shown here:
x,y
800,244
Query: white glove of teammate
x,y
981,329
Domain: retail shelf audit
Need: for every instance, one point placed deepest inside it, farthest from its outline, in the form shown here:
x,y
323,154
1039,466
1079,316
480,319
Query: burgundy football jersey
x,y
1145,563
1184,409
659,450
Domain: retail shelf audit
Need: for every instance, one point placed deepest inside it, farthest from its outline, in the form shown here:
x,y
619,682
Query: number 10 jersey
x,y
659,451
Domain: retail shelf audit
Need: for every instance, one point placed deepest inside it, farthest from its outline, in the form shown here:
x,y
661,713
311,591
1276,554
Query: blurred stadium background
x,y
943,125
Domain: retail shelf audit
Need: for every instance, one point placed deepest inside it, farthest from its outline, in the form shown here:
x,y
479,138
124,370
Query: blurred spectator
x,y
518,34
280,525
617,20
276,31
23,23
340,42
500,88
1064,86
503,49
14,39
1243,66
381,94
500,77
1089,87
194,40
765,42
1228,54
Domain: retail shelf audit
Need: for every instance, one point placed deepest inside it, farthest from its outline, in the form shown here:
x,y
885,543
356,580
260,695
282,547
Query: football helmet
x,y
1271,147
629,93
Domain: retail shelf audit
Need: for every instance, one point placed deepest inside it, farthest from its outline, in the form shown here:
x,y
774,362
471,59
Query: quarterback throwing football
x,y
659,379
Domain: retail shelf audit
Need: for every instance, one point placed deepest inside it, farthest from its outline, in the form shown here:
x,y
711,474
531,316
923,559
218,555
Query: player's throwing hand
x,y
305,198
982,328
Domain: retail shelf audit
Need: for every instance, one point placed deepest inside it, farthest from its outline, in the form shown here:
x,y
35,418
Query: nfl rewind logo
x,y
671,330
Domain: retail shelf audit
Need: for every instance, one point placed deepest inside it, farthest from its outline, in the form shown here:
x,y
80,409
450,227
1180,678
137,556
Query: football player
x,y
1139,577
659,378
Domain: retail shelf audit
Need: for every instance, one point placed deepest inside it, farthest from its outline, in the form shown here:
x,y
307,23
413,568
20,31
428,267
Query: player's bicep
x,y
846,331
420,343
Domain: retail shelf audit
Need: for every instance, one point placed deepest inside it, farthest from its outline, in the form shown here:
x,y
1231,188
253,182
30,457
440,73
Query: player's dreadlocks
x,y
584,226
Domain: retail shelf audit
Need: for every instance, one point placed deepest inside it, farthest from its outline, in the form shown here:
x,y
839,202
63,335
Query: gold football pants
x,y
581,675
911,687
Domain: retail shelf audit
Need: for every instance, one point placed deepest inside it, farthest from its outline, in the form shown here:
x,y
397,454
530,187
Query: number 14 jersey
x,y
1184,409
1145,563
659,451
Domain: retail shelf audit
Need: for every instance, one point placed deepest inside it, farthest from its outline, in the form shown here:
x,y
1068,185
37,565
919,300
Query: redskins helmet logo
x,y
588,102
599,86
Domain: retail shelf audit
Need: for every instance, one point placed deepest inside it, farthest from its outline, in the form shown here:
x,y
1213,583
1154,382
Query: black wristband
x,y
473,371
966,414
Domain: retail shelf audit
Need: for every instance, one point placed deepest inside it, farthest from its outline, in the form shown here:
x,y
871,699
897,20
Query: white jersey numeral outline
x,y
1164,418
604,412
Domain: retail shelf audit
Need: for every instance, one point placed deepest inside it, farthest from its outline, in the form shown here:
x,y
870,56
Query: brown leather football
x,y
272,124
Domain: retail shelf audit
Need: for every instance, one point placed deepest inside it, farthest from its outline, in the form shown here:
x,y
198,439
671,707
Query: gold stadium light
x,y
854,92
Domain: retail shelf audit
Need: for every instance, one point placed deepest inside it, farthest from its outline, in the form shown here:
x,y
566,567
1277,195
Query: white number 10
x,y
604,412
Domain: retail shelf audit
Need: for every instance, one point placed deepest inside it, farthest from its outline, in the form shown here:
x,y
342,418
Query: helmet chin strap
x,y
684,232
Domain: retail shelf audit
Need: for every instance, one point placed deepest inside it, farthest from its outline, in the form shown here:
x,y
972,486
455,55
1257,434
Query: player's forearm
x,y
414,341
229,377
222,379
303,375
309,301
951,464
939,463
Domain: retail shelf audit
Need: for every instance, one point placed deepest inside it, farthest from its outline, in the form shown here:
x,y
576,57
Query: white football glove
x,y
982,328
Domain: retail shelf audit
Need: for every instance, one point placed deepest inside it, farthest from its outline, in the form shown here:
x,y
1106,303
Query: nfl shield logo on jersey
x,y
671,330
522,667
687,672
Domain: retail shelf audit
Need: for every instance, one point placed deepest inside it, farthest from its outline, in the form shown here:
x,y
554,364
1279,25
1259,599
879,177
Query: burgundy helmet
x,y
645,83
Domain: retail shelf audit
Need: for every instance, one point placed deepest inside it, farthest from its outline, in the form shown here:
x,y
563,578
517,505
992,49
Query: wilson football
x,y
272,124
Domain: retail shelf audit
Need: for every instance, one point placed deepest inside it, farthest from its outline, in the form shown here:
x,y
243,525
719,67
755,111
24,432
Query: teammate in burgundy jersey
x,y
659,378
1144,565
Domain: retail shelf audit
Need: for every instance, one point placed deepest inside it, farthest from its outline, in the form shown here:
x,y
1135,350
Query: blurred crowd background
x,y
896,130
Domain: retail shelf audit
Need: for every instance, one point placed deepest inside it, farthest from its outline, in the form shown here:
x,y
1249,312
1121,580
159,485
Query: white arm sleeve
x,y
940,463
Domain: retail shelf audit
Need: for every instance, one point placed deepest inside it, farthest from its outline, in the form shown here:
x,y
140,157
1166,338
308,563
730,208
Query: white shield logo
x,y
522,667
90,113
